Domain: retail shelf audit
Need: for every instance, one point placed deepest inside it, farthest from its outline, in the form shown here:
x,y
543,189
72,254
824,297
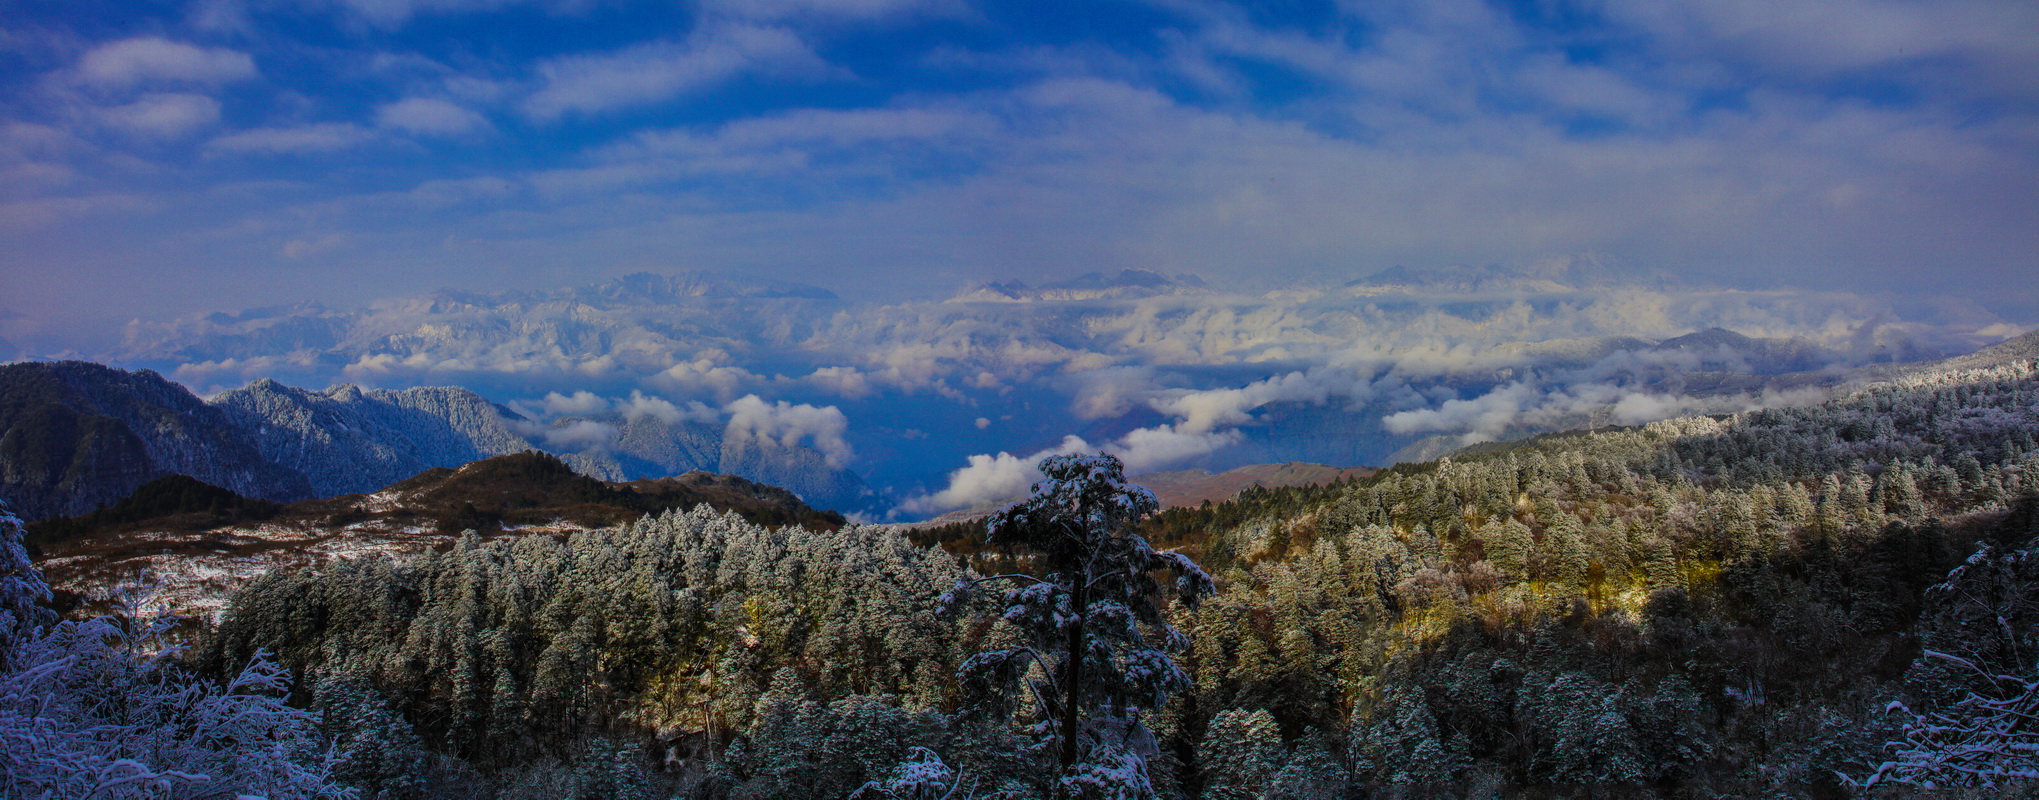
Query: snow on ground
x,y
195,573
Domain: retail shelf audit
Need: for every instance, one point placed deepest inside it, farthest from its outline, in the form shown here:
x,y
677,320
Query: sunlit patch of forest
x,y
1810,601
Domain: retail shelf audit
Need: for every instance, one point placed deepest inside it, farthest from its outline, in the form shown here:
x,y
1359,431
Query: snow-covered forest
x,y
1809,601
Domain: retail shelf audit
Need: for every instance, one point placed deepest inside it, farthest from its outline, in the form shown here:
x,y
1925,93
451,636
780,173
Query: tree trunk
x,y
1070,710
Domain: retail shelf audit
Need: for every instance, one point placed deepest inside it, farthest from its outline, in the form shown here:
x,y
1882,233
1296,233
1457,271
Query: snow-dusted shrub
x,y
1980,649
922,777
1984,739
99,708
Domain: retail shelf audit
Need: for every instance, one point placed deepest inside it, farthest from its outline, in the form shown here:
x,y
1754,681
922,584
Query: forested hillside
x,y
1745,605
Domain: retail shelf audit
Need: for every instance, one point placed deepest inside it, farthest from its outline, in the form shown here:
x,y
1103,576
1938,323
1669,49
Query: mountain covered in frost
x,y
347,439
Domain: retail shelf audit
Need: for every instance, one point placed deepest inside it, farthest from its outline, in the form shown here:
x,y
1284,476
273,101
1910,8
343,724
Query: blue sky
x,y
164,158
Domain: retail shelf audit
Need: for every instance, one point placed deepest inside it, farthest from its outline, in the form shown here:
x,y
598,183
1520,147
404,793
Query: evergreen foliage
x,y
1092,654
1697,607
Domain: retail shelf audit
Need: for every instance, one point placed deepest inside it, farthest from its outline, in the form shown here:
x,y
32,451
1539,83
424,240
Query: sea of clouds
x,y
945,404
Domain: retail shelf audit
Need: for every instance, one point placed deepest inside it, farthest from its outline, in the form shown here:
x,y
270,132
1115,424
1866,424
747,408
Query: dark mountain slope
x,y
172,502
76,435
536,488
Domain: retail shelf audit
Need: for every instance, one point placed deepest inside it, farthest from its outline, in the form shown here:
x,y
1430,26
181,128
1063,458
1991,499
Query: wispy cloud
x,y
659,71
163,115
396,13
1974,39
831,10
988,479
431,117
151,60
314,138
23,215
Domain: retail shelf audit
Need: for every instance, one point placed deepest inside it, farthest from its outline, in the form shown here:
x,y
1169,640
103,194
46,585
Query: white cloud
x,y
1992,41
1522,405
585,434
1111,392
1208,410
392,14
802,143
989,479
579,404
164,115
316,138
651,73
1487,416
1207,421
846,382
297,249
754,419
640,405
2001,330
43,212
706,373
149,59
431,117
1145,449
836,127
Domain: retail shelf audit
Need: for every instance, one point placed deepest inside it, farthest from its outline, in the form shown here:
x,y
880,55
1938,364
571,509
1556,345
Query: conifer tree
x,y
379,752
1403,744
1314,771
1096,648
1508,544
1564,551
1240,755
1584,739
100,708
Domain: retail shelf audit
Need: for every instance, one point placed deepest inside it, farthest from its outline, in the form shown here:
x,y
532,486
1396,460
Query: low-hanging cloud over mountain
x,y
789,424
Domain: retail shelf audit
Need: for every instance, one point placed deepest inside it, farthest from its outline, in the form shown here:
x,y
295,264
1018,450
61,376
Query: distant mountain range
x,y
2005,353
346,440
1127,284
76,435
451,331
2022,348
